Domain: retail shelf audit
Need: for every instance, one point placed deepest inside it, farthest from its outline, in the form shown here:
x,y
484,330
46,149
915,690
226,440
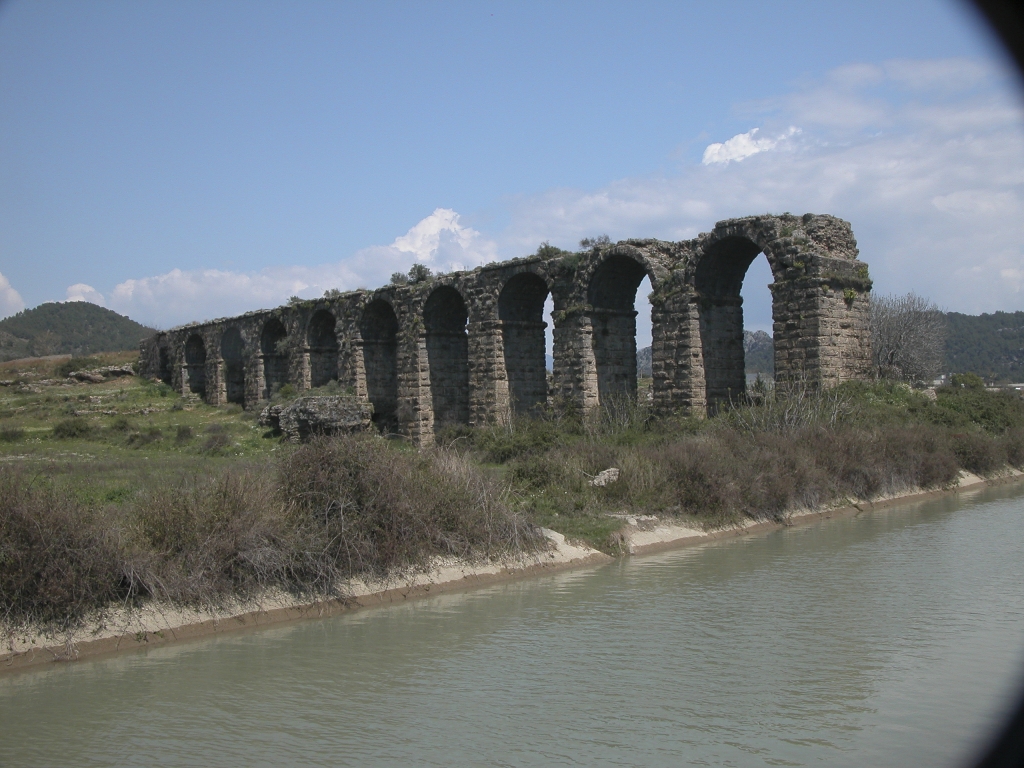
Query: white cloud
x,y
181,296
929,170
10,300
83,292
925,159
742,146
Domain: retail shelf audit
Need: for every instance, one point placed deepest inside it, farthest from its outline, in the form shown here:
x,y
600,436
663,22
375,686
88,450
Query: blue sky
x,y
181,161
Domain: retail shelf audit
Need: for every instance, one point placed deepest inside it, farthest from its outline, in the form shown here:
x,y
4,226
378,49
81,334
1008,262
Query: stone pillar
x,y
488,381
676,361
303,371
216,382
575,369
415,413
822,333
351,372
261,374
253,379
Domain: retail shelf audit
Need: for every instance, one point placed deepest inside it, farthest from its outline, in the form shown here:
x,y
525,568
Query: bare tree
x,y
908,334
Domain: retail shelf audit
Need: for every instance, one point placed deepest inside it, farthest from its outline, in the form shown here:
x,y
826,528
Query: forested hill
x,y
73,327
990,345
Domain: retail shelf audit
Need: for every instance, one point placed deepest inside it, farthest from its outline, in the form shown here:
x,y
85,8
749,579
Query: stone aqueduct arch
x,y
468,347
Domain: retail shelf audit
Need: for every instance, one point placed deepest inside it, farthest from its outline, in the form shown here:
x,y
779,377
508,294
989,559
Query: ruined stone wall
x,y
468,347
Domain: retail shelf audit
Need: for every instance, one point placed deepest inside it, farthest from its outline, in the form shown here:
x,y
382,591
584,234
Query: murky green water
x,y
892,638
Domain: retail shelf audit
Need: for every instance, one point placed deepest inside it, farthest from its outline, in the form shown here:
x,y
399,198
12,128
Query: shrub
x,y
121,424
11,434
283,393
967,381
59,560
66,368
993,411
217,439
72,428
522,436
209,538
183,434
1013,445
978,453
141,439
363,508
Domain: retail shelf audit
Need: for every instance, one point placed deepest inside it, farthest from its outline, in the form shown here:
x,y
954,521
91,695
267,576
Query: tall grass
x,y
326,512
776,452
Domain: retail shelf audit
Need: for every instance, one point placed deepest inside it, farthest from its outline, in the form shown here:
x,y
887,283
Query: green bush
x,y
121,424
978,453
66,368
146,437
1013,446
217,439
11,434
75,427
995,412
967,381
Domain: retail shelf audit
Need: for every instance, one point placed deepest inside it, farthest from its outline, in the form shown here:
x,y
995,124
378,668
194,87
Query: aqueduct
x,y
469,347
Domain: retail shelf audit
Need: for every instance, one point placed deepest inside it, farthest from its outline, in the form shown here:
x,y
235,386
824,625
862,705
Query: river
x,y
895,637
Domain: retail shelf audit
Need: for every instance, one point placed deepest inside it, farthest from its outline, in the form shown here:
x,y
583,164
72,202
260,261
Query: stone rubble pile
x,y
309,416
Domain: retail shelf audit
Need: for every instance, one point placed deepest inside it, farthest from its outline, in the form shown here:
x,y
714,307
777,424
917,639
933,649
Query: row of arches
x,y
610,308
322,343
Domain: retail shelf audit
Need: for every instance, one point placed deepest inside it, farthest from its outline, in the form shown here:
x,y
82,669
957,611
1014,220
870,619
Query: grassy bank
x,y
776,453
304,523
121,491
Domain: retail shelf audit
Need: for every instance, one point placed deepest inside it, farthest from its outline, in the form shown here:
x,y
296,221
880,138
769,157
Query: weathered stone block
x,y
310,416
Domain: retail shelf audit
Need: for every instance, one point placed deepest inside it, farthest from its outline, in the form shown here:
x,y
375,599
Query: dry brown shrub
x,y
205,538
359,507
978,452
59,559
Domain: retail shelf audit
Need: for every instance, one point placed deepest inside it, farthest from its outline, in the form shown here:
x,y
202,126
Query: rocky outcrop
x,y
310,416
97,375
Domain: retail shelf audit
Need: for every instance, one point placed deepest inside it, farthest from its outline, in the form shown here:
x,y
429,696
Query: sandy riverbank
x,y
157,625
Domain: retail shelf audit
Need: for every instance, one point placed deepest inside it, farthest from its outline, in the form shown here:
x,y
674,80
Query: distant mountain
x,y
758,354
68,328
990,345
643,363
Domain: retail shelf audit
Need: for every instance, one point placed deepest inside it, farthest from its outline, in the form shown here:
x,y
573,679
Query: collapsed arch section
x,y
444,319
611,295
195,365
232,352
718,280
521,312
379,331
274,353
323,348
